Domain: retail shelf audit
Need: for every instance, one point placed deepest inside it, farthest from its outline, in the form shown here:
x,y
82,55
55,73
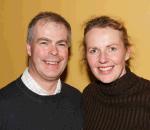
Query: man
x,y
39,100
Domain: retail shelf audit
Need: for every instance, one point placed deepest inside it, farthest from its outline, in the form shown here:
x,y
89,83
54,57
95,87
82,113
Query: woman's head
x,y
107,48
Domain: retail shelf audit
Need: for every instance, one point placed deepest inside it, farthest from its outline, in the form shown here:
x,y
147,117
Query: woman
x,y
118,99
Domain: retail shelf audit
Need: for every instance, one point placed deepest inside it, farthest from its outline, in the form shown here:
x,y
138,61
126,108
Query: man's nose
x,y
53,50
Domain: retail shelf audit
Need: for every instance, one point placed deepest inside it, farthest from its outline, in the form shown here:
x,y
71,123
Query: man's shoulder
x,y
9,90
71,93
70,89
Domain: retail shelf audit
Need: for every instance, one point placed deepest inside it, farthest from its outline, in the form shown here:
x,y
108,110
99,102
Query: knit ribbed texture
x,y
121,105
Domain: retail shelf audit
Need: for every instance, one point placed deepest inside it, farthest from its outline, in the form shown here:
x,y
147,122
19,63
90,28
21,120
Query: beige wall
x,y
15,15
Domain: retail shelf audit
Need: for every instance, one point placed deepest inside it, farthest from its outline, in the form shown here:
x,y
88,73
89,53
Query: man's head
x,y
47,17
48,42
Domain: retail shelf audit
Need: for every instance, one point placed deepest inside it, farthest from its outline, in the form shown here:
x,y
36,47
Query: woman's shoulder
x,y
89,88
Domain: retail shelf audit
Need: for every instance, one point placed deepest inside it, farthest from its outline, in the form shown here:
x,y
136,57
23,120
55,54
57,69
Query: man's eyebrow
x,y
48,40
62,41
43,39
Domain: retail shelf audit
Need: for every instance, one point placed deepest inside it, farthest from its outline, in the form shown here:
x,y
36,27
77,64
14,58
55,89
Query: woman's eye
x,y
93,50
113,48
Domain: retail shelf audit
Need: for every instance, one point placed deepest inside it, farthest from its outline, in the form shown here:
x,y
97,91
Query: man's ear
x,y
28,47
128,54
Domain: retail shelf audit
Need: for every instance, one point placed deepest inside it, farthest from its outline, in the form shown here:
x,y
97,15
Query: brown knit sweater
x,y
121,105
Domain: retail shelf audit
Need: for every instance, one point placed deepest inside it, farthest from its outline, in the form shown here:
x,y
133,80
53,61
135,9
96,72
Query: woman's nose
x,y
102,57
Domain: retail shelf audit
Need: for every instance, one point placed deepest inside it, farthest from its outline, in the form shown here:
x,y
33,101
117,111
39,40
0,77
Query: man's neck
x,y
41,86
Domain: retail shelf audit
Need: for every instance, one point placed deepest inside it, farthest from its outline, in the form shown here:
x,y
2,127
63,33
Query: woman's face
x,y
106,53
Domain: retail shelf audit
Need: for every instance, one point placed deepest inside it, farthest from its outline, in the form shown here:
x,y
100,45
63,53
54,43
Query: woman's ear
x,y
128,54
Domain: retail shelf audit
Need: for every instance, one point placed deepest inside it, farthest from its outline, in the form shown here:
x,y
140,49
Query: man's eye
x,y
43,42
62,44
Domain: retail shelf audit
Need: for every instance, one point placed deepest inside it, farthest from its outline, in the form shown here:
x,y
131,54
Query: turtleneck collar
x,y
120,86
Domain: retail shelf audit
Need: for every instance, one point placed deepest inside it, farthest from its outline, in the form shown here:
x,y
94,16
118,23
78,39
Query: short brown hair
x,y
47,16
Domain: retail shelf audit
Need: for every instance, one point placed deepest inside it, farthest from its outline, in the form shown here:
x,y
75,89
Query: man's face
x,y
48,51
106,54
